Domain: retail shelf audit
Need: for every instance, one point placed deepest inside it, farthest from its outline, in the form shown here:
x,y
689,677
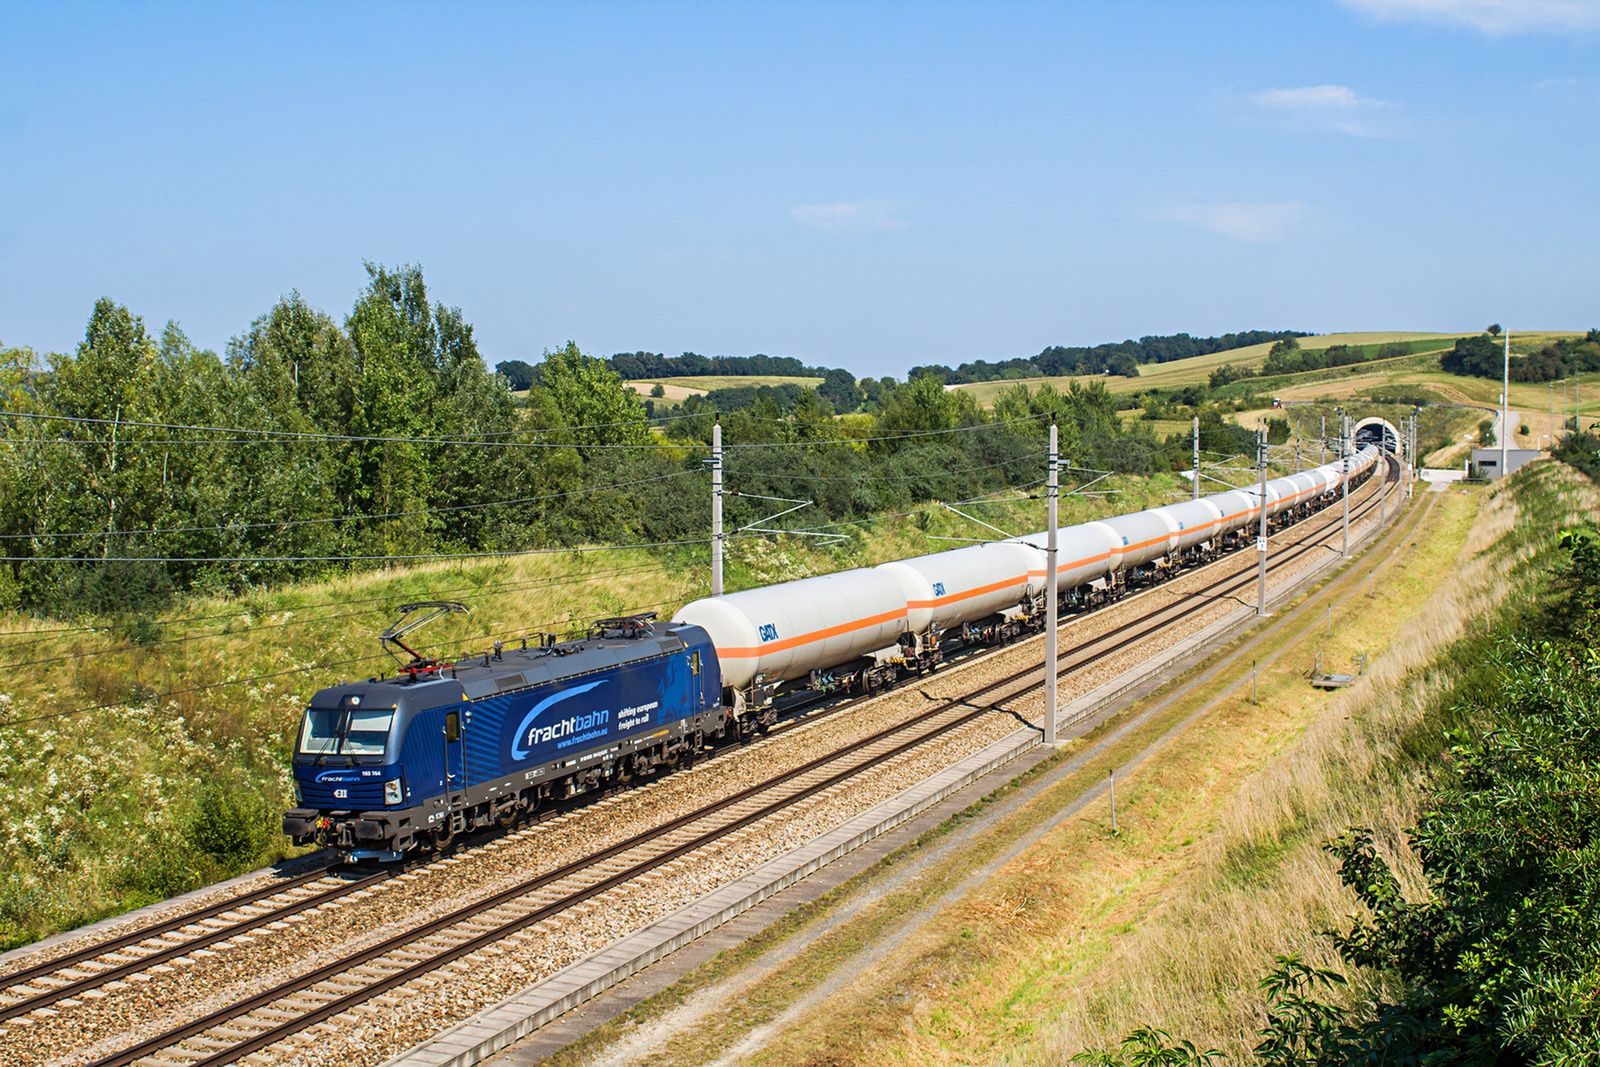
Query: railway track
x,y
271,1016
1362,504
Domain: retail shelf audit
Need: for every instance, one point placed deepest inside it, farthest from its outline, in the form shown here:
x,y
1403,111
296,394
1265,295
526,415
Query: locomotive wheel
x,y
443,838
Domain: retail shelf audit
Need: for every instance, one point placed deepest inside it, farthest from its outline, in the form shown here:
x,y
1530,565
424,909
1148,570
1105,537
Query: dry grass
x,y
1263,885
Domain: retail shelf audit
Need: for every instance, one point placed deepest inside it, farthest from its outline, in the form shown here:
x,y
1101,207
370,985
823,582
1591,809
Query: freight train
x,y
390,765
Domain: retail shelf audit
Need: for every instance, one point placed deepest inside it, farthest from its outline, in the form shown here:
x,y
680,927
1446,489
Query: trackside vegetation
x,y
1495,957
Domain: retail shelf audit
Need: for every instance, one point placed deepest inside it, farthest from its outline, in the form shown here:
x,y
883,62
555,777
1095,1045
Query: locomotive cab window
x,y
452,726
694,662
367,733
352,732
320,732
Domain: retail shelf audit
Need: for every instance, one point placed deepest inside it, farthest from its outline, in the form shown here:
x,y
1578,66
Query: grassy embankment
x,y
176,775
1217,866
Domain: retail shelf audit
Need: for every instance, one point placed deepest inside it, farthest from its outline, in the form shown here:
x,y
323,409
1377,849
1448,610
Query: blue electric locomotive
x,y
392,764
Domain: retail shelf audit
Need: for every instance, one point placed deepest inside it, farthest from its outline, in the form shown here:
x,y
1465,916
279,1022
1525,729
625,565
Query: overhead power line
x,y
481,441
315,436
878,477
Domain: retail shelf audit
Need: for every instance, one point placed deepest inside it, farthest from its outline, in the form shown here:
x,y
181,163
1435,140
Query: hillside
x,y
136,736
1195,370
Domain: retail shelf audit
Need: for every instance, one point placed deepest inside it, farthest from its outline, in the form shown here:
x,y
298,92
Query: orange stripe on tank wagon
x,y
818,635
951,598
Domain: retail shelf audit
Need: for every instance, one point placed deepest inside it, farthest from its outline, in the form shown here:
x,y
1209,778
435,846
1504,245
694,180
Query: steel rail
x,y
821,709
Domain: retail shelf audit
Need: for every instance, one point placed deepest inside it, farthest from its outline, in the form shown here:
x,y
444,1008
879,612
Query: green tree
x,y
18,366
583,391
398,359
839,389
924,405
517,373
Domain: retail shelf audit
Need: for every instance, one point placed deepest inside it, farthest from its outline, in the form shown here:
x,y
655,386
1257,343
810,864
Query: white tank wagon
x,y
953,589
1238,508
814,628
1294,490
1199,521
1087,554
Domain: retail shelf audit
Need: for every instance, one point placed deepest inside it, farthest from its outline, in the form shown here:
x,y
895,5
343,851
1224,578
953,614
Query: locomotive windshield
x,y
345,731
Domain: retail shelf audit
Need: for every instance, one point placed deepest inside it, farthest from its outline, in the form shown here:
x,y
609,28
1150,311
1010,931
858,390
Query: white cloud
x,y
1491,17
1336,107
854,215
1253,223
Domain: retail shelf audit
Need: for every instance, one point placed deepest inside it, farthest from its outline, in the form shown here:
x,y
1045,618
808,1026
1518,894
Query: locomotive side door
x,y
455,768
697,695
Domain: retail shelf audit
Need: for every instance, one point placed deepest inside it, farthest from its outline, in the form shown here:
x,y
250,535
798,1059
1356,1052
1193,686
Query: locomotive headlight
x,y
391,791
298,797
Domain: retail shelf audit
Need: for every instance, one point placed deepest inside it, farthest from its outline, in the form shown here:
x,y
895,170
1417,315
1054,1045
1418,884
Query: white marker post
x,y
1051,579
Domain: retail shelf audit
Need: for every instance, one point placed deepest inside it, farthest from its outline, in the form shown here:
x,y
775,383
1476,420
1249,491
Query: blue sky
x,y
865,185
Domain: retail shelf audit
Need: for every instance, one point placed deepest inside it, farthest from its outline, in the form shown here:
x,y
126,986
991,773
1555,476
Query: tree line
x,y
1118,358
141,466
1483,356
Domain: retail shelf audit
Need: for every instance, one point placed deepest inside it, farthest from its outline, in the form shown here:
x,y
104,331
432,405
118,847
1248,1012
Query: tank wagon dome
x,y
786,631
946,589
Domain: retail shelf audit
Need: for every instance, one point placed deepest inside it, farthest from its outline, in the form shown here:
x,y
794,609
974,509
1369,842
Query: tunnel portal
x,y
1376,431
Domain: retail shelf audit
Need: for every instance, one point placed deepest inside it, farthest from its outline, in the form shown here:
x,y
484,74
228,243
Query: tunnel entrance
x,y
1379,432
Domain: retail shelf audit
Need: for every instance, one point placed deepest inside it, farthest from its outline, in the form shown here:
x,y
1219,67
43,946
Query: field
x,y
679,388
1195,371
